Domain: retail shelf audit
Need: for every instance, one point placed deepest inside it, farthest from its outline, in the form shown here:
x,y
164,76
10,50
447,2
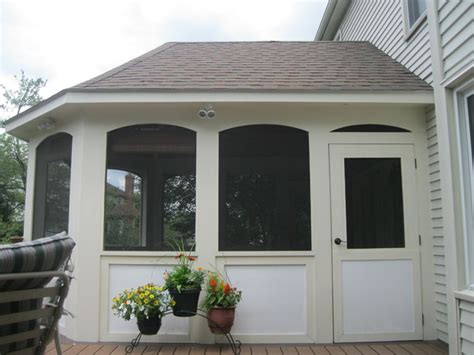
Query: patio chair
x,y
30,303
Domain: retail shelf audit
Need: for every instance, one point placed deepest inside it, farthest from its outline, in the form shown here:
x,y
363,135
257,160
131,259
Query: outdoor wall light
x,y
207,112
46,124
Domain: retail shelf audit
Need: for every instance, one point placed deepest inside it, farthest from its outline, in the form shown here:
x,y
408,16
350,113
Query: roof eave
x,y
332,18
82,97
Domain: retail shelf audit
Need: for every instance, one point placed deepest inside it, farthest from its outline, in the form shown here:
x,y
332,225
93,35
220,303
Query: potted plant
x,y
220,302
183,283
147,304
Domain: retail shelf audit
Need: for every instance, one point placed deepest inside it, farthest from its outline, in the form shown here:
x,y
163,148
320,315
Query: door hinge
x,y
416,164
419,239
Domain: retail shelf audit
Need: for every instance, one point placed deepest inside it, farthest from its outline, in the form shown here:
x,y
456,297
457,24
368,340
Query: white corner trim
x,y
389,97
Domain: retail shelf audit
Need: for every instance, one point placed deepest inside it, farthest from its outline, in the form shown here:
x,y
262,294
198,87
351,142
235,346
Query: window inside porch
x,y
52,186
150,197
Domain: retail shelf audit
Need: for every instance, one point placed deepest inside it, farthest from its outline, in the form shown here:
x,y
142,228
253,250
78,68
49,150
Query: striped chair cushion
x,y
45,254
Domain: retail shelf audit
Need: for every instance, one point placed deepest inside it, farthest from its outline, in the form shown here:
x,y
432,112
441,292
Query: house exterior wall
x,y
466,326
382,24
311,303
456,31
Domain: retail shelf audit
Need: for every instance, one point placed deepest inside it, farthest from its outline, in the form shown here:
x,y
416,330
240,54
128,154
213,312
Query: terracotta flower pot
x,y
221,319
186,302
149,326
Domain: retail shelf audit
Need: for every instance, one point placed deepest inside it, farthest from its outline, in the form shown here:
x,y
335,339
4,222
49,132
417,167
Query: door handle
x,y
338,241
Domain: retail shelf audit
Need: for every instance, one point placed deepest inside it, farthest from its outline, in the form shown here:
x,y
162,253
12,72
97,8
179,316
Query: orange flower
x,y
191,258
227,289
212,283
179,256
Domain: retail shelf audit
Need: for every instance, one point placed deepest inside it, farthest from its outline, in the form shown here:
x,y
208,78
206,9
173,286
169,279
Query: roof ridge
x,y
126,65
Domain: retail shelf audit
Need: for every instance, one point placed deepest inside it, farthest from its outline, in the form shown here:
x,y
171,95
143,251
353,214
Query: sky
x,y
70,41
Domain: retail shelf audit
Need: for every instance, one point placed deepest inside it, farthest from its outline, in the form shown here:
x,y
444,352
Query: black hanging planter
x,y
186,302
149,326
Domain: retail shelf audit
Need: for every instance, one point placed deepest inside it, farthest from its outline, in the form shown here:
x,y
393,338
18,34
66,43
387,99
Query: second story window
x,y
415,12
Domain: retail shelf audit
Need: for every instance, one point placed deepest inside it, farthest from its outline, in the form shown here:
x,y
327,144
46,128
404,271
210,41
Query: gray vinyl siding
x,y
437,231
456,28
466,324
382,24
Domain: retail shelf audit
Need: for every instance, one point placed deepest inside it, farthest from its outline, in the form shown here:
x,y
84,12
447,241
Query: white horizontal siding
x,y
466,326
456,26
381,23
437,231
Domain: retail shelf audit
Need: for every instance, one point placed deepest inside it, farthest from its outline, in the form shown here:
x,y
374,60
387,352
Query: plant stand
x,y
234,344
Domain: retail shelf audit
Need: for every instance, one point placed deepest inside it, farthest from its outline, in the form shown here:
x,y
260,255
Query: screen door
x,y
376,257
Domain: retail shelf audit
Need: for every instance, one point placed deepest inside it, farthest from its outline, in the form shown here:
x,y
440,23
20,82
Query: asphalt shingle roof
x,y
260,66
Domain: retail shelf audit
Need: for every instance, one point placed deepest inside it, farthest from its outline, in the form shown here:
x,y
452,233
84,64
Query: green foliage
x,y
12,185
13,156
179,209
8,230
183,276
25,95
220,293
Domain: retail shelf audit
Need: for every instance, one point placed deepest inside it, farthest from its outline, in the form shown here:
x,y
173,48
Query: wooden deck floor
x,y
402,348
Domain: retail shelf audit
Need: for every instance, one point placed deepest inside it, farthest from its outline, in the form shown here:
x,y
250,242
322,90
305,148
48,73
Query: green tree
x,y
13,155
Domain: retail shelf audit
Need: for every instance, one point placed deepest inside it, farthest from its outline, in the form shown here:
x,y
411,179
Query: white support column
x,y
86,225
321,235
207,212
30,190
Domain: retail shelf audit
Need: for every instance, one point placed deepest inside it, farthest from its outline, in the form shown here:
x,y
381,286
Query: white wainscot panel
x,y
132,276
378,296
273,299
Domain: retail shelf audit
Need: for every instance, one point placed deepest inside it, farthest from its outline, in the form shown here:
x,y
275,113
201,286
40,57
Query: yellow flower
x,y
152,296
142,295
145,301
173,302
155,303
147,293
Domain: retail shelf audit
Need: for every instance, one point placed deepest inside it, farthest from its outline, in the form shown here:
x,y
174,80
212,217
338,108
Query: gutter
x,y
325,20
332,19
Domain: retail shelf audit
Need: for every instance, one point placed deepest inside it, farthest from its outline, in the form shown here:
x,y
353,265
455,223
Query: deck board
x,y
396,349
350,349
385,348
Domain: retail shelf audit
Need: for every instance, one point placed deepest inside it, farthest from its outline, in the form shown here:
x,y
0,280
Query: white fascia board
x,y
269,97
417,97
